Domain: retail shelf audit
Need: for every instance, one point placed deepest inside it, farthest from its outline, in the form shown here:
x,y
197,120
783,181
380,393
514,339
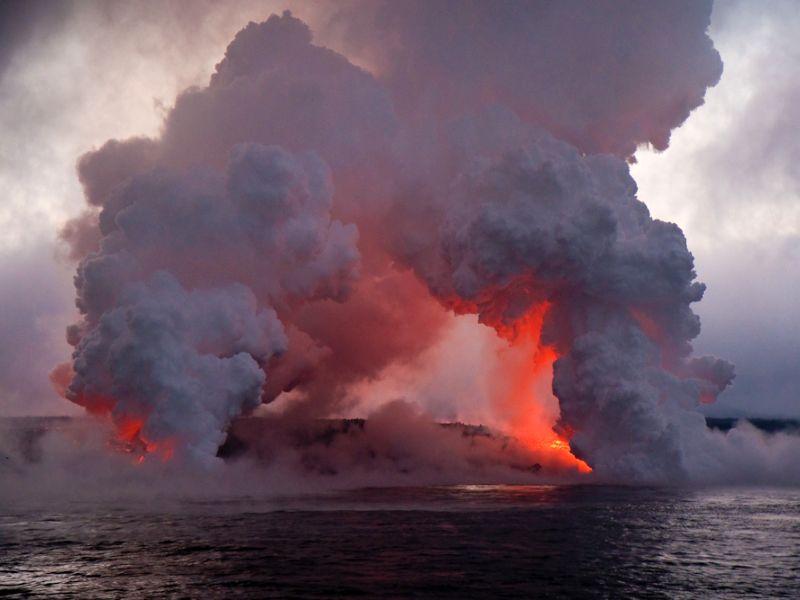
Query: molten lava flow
x,y
129,429
523,393
131,440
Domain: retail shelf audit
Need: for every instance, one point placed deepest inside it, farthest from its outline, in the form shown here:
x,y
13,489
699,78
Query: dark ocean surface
x,y
454,542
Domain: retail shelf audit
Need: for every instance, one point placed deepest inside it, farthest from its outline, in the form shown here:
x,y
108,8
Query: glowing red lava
x,y
524,393
129,431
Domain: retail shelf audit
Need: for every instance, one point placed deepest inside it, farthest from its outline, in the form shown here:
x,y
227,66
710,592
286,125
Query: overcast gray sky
x,y
731,180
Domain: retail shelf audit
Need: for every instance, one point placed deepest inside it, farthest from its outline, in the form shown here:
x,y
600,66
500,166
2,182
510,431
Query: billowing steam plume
x,y
175,365
301,221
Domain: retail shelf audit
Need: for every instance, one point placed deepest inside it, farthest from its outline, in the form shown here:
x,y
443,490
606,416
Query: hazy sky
x,y
731,180
69,80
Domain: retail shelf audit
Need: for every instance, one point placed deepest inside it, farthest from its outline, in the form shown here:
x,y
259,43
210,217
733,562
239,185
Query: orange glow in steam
x,y
524,393
130,435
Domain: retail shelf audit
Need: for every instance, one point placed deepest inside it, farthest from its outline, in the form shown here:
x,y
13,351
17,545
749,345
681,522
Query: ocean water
x,y
452,542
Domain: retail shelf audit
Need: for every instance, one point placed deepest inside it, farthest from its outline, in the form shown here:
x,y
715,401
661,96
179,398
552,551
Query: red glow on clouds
x,y
523,392
647,324
60,378
708,398
129,436
129,439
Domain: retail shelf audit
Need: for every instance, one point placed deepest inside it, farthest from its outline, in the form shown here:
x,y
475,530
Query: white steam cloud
x,y
301,223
